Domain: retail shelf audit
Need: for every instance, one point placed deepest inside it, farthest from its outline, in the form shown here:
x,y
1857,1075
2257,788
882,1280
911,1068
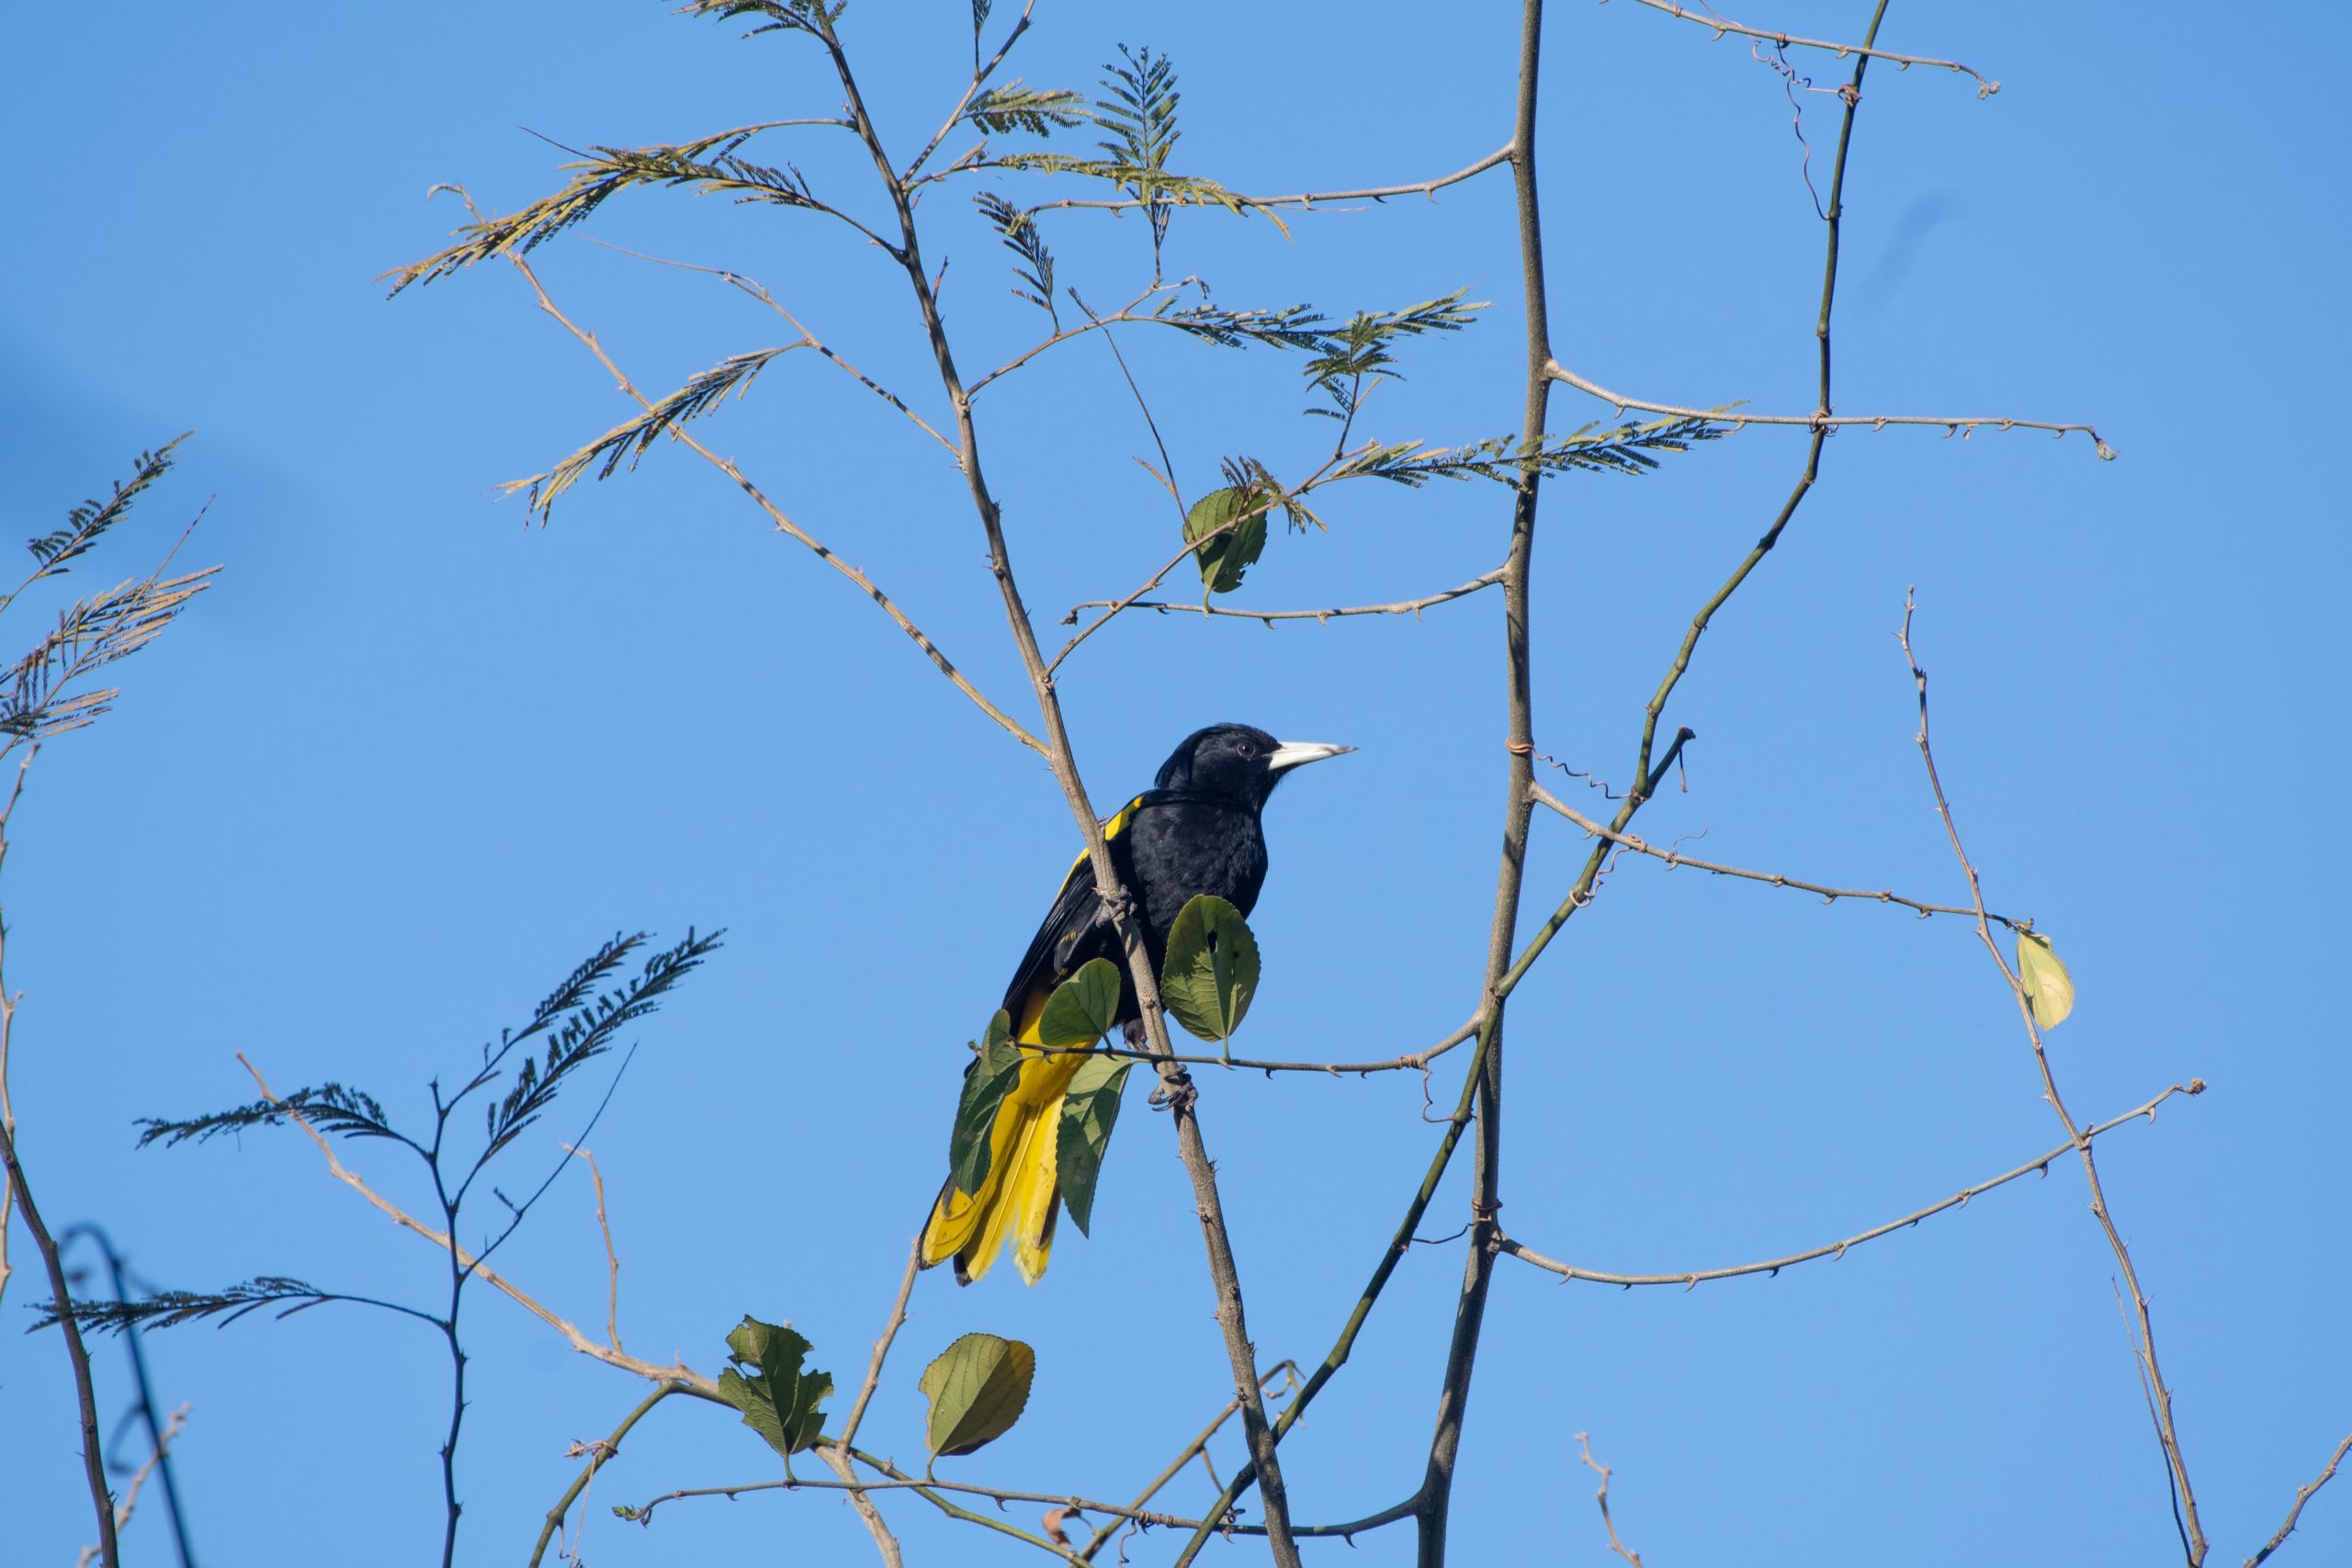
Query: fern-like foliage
x,y
331,1108
1289,326
587,1032
630,440
92,633
1038,111
1364,347
1626,449
775,15
86,522
168,1309
1023,239
709,165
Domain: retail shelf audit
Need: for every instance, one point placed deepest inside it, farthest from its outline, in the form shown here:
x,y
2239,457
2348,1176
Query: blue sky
x,y
414,756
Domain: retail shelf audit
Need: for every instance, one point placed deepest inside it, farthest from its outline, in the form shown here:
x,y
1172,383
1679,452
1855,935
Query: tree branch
x,y
2160,1395
1719,27
2302,1496
93,1472
1823,420
1403,607
1689,1278
1828,895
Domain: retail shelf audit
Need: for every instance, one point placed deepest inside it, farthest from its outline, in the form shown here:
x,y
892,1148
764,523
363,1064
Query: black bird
x,y
1197,831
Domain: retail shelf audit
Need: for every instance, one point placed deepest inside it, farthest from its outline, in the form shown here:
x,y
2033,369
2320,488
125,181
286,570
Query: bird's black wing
x,y
1076,929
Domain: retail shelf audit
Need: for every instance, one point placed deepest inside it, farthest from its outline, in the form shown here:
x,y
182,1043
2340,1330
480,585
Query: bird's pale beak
x,y
1294,753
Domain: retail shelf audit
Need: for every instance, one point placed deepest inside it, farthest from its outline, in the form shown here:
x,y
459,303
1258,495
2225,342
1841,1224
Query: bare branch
x,y
1584,1452
677,1372
1719,25
783,525
612,1258
1308,200
1828,895
2160,1398
1689,1278
2302,1496
882,1346
1823,420
1403,607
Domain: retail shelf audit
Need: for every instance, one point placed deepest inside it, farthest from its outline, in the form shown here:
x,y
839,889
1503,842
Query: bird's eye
x,y
1249,749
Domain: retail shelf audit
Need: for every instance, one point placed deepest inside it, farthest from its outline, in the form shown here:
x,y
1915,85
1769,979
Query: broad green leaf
x,y
1089,1110
977,1388
987,1081
779,1401
2048,987
1211,970
1083,1007
1224,559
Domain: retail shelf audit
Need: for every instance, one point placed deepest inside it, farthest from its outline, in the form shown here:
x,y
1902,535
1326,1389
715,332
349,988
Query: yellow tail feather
x,y
1021,1195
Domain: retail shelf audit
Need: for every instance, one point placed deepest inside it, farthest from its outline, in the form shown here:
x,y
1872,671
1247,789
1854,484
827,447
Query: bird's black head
x,y
1238,761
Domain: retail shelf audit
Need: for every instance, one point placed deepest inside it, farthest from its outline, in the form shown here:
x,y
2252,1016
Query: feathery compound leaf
x,y
86,522
1023,238
779,1401
782,16
588,1033
1289,326
991,1076
977,1388
1362,347
1089,1110
329,1108
90,634
167,1309
1039,111
709,165
1627,449
632,438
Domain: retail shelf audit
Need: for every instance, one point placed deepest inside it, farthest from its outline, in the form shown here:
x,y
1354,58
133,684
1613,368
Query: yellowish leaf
x,y
2048,988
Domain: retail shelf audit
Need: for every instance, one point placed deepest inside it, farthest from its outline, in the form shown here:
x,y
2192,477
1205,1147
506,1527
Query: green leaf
x,y
987,1081
1089,1110
2048,988
1084,1008
779,1401
1224,559
1211,972
977,1388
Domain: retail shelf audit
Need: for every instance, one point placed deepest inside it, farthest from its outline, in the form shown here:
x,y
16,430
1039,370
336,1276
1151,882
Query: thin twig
x,y
1417,1061
783,525
8,1031
1309,200
1823,420
171,1430
2193,1542
758,290
1197,1448
597,1452
1828,895
1720,25
1402,607
1688,1278
2302,1496
1584,1452
882,1346
676,1372
93,1472
612,1258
